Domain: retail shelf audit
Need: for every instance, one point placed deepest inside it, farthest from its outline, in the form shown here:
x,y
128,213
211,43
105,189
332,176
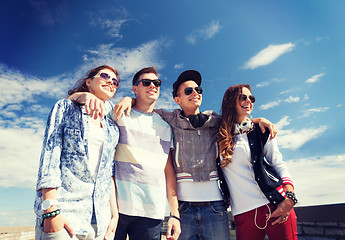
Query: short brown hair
x,y
151,69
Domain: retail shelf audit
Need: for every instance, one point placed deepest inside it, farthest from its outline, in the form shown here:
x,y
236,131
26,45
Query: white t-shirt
x,y
96,140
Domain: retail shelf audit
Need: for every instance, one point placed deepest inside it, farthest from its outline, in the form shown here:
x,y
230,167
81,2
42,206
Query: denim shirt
x,y
64,166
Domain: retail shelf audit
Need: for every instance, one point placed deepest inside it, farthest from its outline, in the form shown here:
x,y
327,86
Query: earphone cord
x,y
269,216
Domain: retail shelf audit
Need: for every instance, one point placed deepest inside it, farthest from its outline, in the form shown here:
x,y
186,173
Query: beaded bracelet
x,y
172,216
292,196
52,214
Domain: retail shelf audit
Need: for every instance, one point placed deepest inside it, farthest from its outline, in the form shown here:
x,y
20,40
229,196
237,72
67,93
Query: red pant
x,y
246,229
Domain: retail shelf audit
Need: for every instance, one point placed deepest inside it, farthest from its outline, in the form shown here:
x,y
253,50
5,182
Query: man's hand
x,y
173,229
124,105
263,123
57,223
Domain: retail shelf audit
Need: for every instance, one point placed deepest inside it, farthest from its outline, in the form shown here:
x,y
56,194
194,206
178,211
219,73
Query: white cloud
x,y
282,123
20,151
339,105
7,111
319,39
207,32
273,104
268,55
105,20
128,61
308,112
325,172
292,99
288,91
315,78
265,84
178,66
270,105
17,87
114,27
262,84
294,139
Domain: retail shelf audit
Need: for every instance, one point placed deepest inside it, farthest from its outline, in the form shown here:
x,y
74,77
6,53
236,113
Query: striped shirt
x,y
140,160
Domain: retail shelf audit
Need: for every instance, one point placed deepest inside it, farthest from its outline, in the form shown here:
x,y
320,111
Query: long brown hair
x,y
81,86
229,117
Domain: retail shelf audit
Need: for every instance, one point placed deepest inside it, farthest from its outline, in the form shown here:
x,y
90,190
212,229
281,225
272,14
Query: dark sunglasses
x,y
189,90
243,97
106,77
147,82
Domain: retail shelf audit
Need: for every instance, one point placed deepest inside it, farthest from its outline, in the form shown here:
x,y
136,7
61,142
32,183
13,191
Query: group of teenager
x,y
107,172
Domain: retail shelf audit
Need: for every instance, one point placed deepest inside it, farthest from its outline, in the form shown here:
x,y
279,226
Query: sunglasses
x,y
106,77
243,97
147,82
189,90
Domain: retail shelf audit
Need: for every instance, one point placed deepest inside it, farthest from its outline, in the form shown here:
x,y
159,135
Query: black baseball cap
x,y
186,76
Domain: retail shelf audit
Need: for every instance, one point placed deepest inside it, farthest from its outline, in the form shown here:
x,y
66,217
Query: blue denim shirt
x,y
64,166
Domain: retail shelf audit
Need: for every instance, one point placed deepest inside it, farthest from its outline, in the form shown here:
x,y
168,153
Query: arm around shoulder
x,y
93,105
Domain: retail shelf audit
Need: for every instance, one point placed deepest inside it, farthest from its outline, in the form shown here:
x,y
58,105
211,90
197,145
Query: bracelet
x,y
292,196
172,216
52,214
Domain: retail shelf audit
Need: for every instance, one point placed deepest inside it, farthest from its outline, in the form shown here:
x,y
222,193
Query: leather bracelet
x,y
172,216
51,214
292,196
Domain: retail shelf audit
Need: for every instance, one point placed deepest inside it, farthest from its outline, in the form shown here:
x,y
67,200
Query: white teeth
x,y
109,88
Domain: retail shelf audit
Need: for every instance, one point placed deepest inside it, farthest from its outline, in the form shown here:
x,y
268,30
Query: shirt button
x,y
270,196
274,202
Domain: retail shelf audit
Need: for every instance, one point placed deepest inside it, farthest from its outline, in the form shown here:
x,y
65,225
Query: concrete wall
x,y
323,222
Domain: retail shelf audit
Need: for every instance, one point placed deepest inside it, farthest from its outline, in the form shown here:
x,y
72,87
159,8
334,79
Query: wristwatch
x,y
46,204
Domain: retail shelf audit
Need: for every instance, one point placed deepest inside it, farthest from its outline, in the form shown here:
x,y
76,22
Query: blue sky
x,y
292,53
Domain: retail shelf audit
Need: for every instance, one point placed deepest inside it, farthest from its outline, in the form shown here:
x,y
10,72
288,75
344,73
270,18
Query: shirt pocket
x,y
73,143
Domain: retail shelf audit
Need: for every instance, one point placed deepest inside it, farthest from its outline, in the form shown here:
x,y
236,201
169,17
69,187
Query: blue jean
x,y
138,228
204,223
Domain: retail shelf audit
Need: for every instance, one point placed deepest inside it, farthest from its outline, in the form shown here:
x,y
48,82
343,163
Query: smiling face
x,y
189,103
244,108
103,88
146,94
